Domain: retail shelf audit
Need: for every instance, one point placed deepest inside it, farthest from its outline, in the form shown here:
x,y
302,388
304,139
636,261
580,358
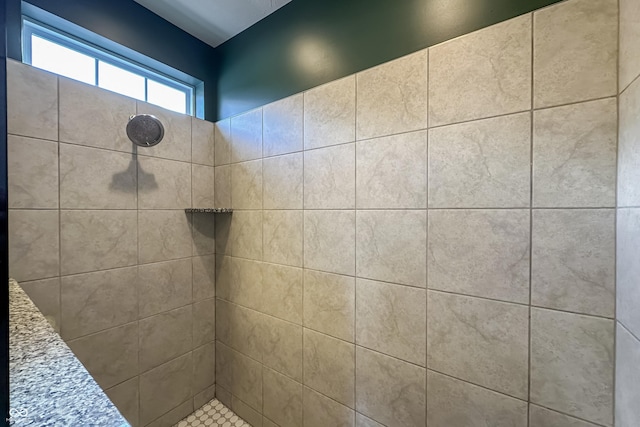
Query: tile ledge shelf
x,y
208,210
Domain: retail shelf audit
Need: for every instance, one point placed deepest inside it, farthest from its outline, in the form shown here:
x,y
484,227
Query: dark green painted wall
x,y
310,42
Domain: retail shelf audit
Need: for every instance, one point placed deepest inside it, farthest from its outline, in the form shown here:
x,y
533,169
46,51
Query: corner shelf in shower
x,y
209,210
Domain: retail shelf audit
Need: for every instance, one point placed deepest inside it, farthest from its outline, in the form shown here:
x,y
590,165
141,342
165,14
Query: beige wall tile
x,y
164,337
174,416
82,188
628,269
282,399
203,233
391,172
224,369
329,241
202,142
282,347
246,412
222,187
246,136
204,367
222,142
96,301
32,102
282,180
574,155
389,390
329,367
572,364
481,341
204,321
282,121
542,417
33,244
329,178
282,292
392,319
329,304
126,397
45,294
629,47
204,277
164,286
575,52
163,184
32,173
246,234
247,381
202,186
110,356
330,113
246,331
246,185
629,147
282,237
320,411
482,164
245,285
176,144
204,397
362,421
627,392
452,402
163,235
480,252
224,396
392,97
392,246
573,260
482,74
165,387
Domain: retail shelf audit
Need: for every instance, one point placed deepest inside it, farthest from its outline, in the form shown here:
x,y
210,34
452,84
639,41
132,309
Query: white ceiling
x,y
213,21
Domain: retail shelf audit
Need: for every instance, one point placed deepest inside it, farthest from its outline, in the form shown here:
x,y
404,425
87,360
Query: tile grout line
x,y
531,199
355,247
59,212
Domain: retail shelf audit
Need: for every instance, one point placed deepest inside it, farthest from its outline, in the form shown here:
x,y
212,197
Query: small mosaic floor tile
x,y
213,414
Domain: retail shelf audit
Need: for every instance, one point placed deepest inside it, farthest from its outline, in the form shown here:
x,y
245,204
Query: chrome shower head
x,y
145,130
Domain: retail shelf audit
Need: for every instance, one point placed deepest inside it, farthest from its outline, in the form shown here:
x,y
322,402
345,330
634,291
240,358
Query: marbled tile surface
x,y
48,385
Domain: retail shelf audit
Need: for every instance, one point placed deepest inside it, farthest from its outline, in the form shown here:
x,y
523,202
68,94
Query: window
x,y
58,52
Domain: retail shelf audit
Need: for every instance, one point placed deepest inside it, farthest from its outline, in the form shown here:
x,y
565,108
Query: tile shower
x,y
430,241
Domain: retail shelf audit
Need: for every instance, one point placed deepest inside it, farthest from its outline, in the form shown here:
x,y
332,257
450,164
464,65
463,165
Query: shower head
x,y
145,130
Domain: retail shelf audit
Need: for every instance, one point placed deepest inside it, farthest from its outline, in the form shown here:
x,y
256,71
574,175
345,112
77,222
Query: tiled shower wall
x,y
431,240
628,265
100,241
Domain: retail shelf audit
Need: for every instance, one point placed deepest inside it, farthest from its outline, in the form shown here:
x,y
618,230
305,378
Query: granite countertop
x,y
48,384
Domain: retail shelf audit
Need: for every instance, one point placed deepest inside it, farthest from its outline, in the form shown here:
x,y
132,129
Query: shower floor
x,y
213,414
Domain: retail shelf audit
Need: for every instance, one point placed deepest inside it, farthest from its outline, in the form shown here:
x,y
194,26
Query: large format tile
x,y
203,233
164,286
389,390
392,246
391,172
320,411
330,178
164,337
480,252
482,164
452,402
34,251
202,142
282,399
329,304
95,301
176,144
629,147
282,292
329,241
202,186
163,184
282,180
165,387
575,52
204,367
45,294
481,341
246,412
392,319
110,356
629,65
330,113
246,234
246,136
482,74
282,121
126,397
174,416
32,167
247,381
222,142
246,329
222,187
543,417
246,185
574,155
392,97
240,281
204,321
82,188
204,277
572,365
282,237
329,367
93,116
32,101
362,421
282,347
627,379
573,260
628,269
164,235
